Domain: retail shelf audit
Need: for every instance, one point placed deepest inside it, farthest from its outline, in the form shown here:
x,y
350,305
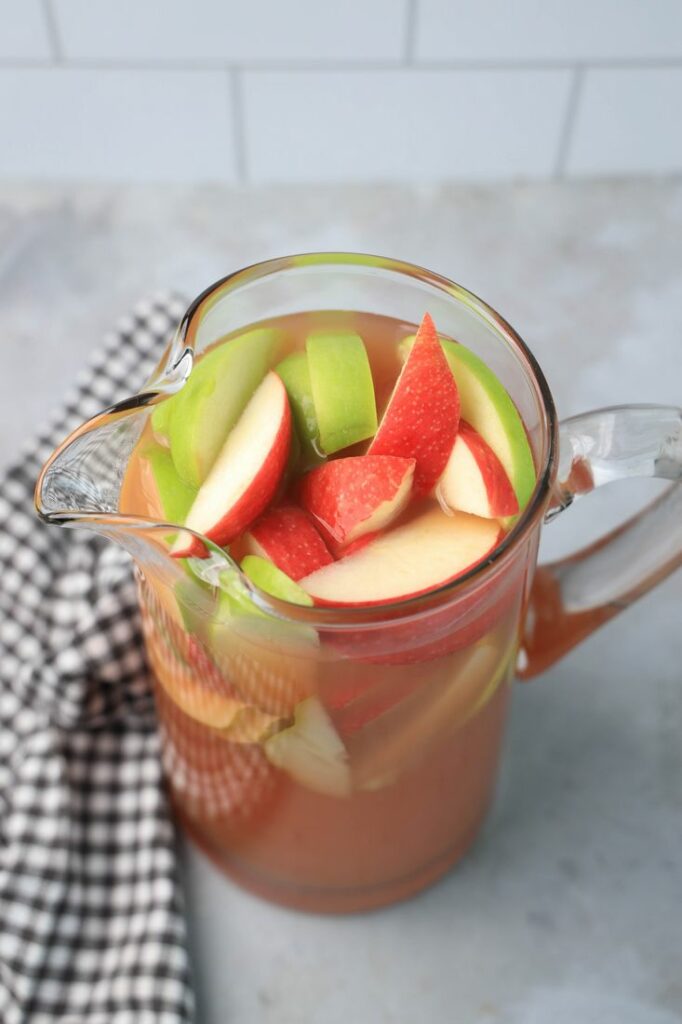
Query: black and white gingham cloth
x,y
91,929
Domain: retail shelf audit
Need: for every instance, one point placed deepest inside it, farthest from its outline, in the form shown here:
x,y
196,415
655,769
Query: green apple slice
x,y
212,400
311,752
342,388
273,581
487,407
161,421
295,375
173,495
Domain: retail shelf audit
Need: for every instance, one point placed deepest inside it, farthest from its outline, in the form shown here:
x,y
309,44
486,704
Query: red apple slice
x,y
422,555
474,479
343,550
287,536
358,495
422,415
246,473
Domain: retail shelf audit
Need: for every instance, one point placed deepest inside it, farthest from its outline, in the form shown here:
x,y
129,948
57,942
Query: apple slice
x,y
273,581
160,420
221,383
190,678
487,407
167,493
422,415
287,536
474,479
358,495
391,745
311,752
342,388
246,473
295,376
422,555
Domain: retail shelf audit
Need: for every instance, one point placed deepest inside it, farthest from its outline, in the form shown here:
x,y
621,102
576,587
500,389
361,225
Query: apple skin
x,y
287,536
201,415
343,550
160,421
342,388
357,495
422,416
474,479
488,408
295,376
265,425
171,495
422,555
273,581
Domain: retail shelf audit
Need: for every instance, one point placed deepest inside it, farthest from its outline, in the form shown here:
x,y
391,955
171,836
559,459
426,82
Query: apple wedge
x,y
287,536
246,473
202,413
358,495
421,419
311,752
189,677
342,388
273,581
487,407
295,376
160,421
474,480
426,553
166,492
392,744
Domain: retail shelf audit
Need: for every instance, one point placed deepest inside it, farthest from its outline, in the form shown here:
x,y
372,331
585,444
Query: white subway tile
x,y
116,125
233,30
402,125
628,122
518,30
23,31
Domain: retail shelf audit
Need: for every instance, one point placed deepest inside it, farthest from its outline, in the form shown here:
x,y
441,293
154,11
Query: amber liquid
x,y
420,707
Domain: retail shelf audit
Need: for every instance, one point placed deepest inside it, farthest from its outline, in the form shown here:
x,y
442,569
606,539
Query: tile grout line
x,y
52,32
351,67
237,102
410,29
566,137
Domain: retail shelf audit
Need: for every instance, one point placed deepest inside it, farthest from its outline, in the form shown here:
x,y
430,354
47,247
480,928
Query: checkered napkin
x,y
91,930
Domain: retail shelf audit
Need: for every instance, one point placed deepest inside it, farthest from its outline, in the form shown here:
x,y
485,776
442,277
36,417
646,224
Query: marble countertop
x,y
568,909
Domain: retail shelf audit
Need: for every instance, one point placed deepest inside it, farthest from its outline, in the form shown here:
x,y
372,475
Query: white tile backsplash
x,y
548,30
233,30
23,35
402,125
628,121
305,90
110,125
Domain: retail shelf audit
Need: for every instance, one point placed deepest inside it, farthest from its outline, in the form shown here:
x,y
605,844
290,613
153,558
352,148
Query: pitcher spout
x,y
82,483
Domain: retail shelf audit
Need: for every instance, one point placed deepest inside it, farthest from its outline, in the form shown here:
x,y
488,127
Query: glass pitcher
x,y
341,759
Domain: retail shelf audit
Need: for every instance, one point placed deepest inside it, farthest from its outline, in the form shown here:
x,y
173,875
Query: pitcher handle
x,y
573,596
